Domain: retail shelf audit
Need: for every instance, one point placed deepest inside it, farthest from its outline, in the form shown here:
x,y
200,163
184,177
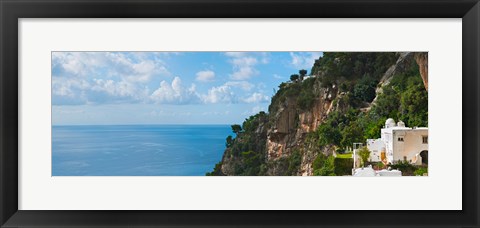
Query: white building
x,y
375,146
400,143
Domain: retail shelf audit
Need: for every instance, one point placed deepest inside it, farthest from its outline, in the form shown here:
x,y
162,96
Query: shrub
x,y
406,168
251,163
364,153
379,165
319,161
306,97
325,169
305,101
420,171
229,141
364,90
343,166
216,171
294,161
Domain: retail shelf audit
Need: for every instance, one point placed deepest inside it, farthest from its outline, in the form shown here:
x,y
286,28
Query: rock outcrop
x,y
422,60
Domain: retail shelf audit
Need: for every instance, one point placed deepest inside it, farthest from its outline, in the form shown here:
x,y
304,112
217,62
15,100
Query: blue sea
x,y
137,150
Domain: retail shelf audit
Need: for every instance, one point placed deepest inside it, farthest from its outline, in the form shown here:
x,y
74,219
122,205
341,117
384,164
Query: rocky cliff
x,y
422,60
285,141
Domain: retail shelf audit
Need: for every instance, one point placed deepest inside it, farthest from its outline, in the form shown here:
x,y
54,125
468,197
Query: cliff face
x,y
291,125
422,61
282,137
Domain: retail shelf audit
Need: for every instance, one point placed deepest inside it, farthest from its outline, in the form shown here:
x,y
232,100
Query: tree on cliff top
x,y
294,77
236,128
302,74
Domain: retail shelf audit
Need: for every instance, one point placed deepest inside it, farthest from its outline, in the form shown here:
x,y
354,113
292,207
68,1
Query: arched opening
x,y
424,155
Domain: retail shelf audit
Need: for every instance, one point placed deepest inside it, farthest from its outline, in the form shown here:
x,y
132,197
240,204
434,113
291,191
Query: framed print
x,y
239,113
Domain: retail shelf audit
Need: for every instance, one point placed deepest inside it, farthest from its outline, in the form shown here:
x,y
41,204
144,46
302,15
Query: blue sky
x,y
168,87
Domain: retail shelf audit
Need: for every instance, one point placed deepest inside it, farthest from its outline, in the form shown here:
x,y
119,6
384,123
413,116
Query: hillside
x,y
346,99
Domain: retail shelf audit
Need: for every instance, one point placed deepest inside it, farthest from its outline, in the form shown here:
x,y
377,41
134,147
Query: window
x,y
425,139
400,139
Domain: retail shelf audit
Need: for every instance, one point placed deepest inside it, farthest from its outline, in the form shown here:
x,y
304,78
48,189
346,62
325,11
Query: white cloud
x,y
142,72
236,54
243,65
244,73
244,61
277,76
220,94
175,93
257,98
254,110
264,58
257,109
205,76
247,86
304,60
113,88
76,63
110,91
103,77
68,86
135,67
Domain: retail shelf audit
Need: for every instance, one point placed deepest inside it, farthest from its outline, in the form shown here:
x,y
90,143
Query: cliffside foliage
x,y
404,98
348,67
332,166
343,166
247,150
323,165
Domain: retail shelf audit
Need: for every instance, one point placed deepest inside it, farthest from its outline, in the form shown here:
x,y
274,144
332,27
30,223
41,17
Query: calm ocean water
x,y
137,150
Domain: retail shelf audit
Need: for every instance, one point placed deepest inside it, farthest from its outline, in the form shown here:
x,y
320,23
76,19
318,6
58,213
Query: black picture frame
x,y
12,10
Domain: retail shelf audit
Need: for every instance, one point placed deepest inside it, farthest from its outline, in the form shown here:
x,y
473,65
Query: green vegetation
x,y
420,171
364,154
236,128
343,166
332,166
301,94
251,124
302,74
306,96
247,148
324,166
294,161
404,98
406,168
347,67
216,170
378,165
319,161
364,90
294,77
229,141
251,162
349,155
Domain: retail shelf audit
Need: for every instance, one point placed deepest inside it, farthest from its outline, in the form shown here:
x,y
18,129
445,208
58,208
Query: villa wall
x,y
375,147
411,146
